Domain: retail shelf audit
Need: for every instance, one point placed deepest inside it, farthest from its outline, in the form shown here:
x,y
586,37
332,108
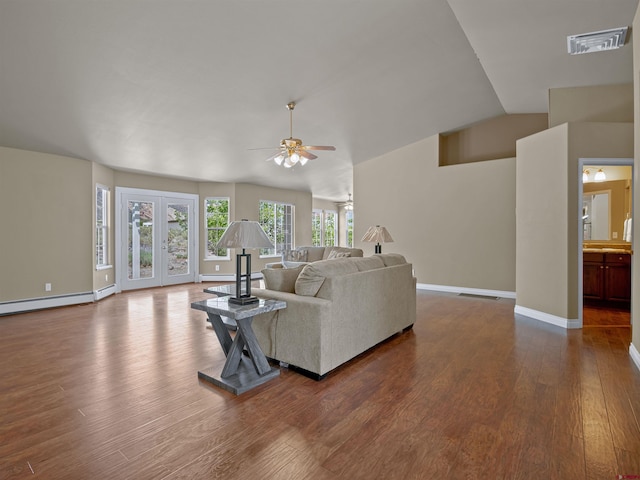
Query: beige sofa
x,y
305,255
336,309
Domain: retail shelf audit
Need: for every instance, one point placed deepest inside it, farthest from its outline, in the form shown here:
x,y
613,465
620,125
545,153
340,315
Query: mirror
x,y
595,216
606,204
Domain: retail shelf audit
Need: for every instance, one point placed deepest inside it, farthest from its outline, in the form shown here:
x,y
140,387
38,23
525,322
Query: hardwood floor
x,y
605,316
110,391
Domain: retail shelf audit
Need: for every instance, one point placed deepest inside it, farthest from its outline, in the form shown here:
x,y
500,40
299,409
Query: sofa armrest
x,y
300,334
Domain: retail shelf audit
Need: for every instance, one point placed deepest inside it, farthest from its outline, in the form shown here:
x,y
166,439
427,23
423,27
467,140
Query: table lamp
x,y
244,234
379,235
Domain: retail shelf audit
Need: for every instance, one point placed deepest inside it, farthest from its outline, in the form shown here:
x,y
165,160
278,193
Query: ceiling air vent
x,y
597,41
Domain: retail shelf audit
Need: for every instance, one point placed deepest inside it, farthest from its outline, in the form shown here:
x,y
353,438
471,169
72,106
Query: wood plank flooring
x,y
110,391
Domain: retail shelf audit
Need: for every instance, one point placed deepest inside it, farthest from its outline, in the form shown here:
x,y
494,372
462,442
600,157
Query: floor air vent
x,y
473,295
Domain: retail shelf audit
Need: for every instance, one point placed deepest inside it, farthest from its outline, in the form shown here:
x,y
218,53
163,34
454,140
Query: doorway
x,y
605,243
156,238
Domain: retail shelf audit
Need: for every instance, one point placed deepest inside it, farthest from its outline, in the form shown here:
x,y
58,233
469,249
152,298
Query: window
x,y
316,228
330,228
217,219
102,227
349,221
277,221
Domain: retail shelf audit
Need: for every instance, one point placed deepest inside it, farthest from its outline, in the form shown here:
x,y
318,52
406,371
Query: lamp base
x,y
243,300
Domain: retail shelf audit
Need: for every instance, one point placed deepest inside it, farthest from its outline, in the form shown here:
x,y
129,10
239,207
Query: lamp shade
x,y
377,234
244,234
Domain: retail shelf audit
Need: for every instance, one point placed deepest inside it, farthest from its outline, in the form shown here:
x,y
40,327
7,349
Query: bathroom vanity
x,y
607,275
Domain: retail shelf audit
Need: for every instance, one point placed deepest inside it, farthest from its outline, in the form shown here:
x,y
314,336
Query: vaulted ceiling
x,y
187,88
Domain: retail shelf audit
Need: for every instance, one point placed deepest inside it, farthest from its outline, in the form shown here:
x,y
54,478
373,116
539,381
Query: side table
x,y
240,372
224,291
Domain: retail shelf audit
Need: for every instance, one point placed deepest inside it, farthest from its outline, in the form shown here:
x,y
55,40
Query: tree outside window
x,y
349,221
316,228
330,228
217,219
277,220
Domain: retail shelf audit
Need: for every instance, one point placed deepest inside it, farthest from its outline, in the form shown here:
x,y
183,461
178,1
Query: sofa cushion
x,y
391,259
312,276
367,263
281,279
294,258
314,253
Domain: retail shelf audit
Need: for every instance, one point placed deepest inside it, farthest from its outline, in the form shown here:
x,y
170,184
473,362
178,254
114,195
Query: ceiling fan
x,y
292,151
348,205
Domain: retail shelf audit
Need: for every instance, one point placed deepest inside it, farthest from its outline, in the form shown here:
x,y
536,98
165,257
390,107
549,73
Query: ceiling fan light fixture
x,y
599,41
279,159
294,157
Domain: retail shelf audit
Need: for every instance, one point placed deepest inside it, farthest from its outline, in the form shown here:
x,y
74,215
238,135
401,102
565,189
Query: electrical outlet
x,y
615,235
217,268
47,287
106,277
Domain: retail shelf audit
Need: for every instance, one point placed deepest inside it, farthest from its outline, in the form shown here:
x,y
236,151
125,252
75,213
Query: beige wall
x,y
46,221
455,224
606,103
547,210
491,139
48,217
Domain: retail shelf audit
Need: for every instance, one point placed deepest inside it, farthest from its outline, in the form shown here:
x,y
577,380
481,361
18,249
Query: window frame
x,y
207,255
330,214
317,227
102,227
348,220
273,231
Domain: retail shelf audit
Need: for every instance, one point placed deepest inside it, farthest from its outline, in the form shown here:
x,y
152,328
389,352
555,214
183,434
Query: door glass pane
x,y
140,239
177,241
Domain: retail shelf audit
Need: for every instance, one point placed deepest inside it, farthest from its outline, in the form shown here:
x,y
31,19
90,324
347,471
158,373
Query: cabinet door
x,y
618,282
593,281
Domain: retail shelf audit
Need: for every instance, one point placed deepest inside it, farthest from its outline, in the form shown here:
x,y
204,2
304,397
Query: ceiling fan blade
x,y
307,155
318,147
273,156
265,148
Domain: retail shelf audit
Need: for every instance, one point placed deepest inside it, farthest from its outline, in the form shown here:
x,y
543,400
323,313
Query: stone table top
x,y
221,306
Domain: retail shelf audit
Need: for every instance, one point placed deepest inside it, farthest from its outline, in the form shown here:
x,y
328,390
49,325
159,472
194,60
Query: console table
x,y
241,371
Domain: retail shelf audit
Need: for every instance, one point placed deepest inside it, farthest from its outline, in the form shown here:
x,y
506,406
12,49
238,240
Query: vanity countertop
x,y
608,250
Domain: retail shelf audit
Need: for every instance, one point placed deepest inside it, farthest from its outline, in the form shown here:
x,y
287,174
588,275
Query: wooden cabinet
x,y
607,277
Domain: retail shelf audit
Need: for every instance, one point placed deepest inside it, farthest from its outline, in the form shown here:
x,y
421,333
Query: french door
x,y
156,238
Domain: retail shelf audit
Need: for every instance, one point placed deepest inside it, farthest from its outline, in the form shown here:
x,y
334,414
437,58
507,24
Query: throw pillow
x,y
335,254
294,256
281,279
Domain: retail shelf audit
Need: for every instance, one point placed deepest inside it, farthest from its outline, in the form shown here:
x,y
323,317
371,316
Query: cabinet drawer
x,y
617,258
593,257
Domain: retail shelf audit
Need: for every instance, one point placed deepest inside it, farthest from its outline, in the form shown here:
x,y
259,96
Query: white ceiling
x,y
187,87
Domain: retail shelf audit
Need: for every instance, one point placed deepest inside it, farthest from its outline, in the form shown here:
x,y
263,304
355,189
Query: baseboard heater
x,y
104,292
27,305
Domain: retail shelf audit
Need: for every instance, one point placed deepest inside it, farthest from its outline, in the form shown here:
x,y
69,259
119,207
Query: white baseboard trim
x,y
635,355
104,292
20,306
226,278
547,317
471,291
